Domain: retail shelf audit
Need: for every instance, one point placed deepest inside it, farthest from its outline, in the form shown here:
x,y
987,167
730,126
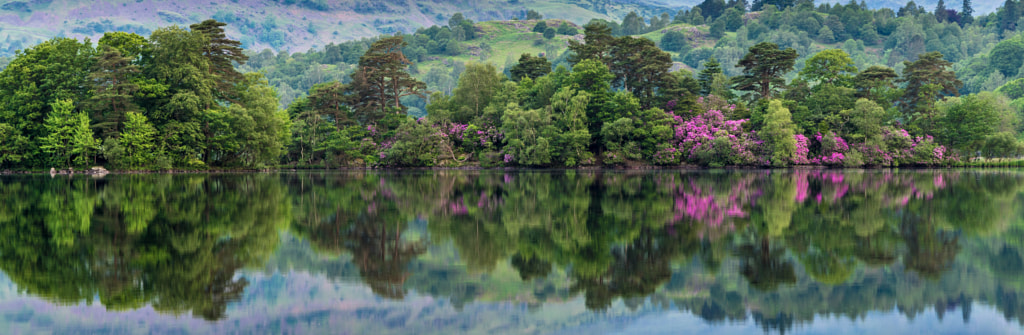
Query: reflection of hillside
x,y
173,242
785,245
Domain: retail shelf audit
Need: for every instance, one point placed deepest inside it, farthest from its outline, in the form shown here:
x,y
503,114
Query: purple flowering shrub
x,y
710,139
914,150
897,147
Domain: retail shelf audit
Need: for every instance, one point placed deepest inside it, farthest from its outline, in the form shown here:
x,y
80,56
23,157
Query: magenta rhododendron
x,y
711,139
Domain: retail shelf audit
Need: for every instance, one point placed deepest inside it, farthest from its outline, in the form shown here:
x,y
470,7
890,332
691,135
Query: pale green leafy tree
x,y
778,130
138,140
83,142
60,130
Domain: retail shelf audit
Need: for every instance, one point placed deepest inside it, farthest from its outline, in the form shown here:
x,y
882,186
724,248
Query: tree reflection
x,y
173,242
778,246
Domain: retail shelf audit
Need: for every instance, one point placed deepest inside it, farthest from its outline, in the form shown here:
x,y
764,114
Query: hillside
x,y
293,25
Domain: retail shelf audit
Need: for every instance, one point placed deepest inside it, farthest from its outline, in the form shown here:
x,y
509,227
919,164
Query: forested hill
x,y
294,25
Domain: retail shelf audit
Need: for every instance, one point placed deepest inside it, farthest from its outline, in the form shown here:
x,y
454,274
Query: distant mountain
x,y
286,24
980,6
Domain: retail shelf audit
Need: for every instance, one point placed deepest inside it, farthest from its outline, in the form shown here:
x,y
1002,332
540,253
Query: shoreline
x,y
478,168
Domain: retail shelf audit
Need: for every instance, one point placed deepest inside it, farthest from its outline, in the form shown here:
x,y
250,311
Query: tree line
x,y
619,104
177,100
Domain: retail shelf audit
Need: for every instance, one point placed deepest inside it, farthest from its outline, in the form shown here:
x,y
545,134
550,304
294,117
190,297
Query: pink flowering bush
x,y
710,139
834,150
896,147
920,150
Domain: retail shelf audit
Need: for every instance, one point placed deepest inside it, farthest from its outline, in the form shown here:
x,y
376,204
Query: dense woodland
x,y
911,87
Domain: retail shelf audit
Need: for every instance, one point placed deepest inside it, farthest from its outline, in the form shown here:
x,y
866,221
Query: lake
x,y
506,252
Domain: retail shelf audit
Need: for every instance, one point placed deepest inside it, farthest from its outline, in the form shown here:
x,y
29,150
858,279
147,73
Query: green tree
x,y
717,30
12,144
540,27
832,66
779,130
967,122
83,144
875,83
260,127
129,45
138,139
183,86
113,90
733,19
57,69
927,79
222,53
566,29
640,67
763,68
60,132
867,117
328,99
633,24
569,110
1002,144
526,139
597,41
477,85
530,67
966,13
456,20
533,15
1008,56
380,81
594,78
707,75
549,33
591,76
940,11
415,144
674,41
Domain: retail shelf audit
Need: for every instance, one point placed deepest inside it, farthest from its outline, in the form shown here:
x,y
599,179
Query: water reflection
x,y
171,242
778,247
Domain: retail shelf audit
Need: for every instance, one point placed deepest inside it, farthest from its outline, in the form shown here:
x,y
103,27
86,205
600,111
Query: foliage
x,y
763,68
778,134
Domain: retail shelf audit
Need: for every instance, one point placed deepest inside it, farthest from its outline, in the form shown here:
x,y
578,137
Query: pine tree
x,y
381,80
113,90
966,13
940,11
763,69
222,53
1009,15
707,75
597,40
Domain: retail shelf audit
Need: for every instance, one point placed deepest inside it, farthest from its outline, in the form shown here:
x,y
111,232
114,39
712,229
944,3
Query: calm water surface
x,y
492,252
